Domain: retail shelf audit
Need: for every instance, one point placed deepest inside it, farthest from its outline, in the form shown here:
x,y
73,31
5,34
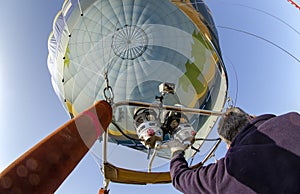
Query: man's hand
x,y
176,147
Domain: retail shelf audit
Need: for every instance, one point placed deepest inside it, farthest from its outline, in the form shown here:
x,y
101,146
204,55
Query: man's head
x,y
231,123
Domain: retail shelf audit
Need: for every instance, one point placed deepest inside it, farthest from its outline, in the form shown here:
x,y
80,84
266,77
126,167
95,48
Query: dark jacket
x,y
263,158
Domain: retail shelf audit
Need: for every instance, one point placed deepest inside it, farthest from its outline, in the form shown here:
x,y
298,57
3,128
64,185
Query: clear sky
x,y
267,76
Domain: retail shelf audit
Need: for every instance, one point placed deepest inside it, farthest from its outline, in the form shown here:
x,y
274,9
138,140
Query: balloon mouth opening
x,y
129,42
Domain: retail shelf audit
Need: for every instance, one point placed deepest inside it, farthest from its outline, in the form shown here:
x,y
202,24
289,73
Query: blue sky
x,y
268,77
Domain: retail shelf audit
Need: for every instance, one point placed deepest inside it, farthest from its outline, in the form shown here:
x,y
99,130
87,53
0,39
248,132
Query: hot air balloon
x,y
158,63
134,74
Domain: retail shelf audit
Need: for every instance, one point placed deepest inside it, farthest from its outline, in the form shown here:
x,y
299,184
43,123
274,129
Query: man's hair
x,y
231,123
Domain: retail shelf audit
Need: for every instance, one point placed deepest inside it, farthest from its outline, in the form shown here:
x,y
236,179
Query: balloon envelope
x,y
137,44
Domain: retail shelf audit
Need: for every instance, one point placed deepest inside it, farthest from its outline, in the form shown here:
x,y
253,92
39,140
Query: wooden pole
x,y
44,167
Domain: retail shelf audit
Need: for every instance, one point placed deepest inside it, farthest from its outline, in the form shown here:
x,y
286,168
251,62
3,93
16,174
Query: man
x,y
263,157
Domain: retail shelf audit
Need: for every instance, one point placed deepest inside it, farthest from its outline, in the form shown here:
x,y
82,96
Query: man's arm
x,y
178,165
213,178
186,180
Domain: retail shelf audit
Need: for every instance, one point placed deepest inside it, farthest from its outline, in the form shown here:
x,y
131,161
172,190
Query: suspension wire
x,y
237,83
80,9
203,139
123,133
264,12
207,139
80,65
111,53
197,150
209,154
261,38
108,91
245,32
254,35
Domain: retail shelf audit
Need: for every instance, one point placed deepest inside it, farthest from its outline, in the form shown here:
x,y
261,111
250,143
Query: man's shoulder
x,y
291,117
283,121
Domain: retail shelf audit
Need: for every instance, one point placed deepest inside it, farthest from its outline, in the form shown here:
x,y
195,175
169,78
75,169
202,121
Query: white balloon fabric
x,y
137,44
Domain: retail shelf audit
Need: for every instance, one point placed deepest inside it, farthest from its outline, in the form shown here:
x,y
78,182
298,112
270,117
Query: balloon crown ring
x,y
129,42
